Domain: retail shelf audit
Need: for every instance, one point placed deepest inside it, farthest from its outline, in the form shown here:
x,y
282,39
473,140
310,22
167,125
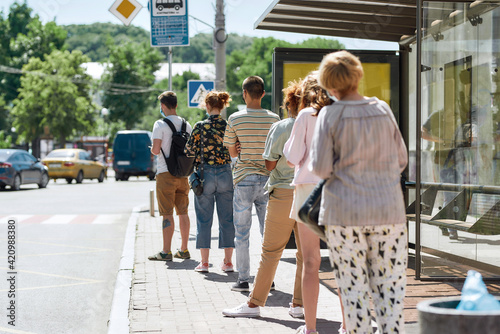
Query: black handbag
x,y
196,179
309,211
196,183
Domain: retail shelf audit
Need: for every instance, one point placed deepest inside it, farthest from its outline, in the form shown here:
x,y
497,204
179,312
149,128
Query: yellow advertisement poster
x,y
376,80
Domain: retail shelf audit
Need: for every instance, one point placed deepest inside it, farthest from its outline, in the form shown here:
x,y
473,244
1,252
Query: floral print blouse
x,y
215,153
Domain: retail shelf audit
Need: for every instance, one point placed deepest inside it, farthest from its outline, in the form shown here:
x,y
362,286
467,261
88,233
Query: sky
x,y
241,16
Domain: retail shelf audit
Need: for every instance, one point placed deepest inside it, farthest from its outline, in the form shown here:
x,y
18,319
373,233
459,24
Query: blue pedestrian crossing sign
x,y
197,90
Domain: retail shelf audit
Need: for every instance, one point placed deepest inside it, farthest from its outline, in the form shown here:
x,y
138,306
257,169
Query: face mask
x,y
161,112
332,97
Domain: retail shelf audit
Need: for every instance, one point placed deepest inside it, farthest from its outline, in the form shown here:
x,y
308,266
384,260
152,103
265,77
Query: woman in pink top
x,y
296,150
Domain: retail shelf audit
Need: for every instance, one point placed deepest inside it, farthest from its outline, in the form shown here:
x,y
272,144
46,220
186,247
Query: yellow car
x,y
73,163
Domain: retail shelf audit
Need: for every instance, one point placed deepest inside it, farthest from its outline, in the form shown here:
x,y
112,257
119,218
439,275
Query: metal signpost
x,y
197,89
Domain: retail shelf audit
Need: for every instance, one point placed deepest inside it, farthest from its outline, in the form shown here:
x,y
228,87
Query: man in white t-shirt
x,y
171,191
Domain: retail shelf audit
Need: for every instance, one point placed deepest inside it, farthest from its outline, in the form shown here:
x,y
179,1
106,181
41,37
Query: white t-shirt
x,y
162,131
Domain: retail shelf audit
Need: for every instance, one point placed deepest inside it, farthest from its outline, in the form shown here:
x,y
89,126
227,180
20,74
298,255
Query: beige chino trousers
x,y
277,230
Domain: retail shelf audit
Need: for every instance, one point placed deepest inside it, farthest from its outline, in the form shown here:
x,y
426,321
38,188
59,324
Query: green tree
x,y
5,141
3,114
179,85
92,39
200,50
19,17
17,22
24,37
320,43
127,81
54,96
257,60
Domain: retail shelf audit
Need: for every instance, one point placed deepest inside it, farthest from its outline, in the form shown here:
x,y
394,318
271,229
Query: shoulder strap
x,y
183,126
171,125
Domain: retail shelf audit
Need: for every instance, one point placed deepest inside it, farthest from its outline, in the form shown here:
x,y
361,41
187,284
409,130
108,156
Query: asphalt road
x,y
69,239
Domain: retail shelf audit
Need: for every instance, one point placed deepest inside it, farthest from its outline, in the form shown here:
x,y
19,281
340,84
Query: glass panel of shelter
x,y
460,148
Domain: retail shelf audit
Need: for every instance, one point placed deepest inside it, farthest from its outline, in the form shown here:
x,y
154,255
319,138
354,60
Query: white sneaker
x,y
242,311
296,312
342,330
302,330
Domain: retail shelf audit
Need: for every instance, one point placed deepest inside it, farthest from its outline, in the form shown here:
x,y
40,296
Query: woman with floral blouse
x,y
218,181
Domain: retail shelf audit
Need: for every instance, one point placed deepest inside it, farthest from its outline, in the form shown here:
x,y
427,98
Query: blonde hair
x,y
291,98
340,70
218,100
312,94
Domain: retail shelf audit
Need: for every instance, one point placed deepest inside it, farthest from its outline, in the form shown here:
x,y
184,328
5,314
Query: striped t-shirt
x,y
250,127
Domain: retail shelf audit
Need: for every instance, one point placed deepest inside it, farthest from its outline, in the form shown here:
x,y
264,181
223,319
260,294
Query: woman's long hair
x,y
312,95
291,98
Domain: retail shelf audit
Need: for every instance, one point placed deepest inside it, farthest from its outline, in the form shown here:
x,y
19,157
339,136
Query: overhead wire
x,y
112,88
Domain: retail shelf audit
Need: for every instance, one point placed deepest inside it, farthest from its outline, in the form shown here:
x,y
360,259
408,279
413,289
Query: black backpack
x,y
178,163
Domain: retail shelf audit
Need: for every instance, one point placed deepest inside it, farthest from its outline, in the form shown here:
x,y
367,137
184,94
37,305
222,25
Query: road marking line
x,y
56,254
106,219
83,219
89,280
35,219
15,331
19,218
55,286
64,245
59,219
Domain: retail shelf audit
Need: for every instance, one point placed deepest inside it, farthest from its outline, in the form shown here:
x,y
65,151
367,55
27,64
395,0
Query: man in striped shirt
x,y
249,128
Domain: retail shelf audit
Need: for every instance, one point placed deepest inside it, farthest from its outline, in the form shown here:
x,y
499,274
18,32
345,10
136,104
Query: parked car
x,y
18,167
132,155
73,163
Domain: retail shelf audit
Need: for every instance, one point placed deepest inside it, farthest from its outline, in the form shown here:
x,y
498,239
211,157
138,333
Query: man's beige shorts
x,y
172,191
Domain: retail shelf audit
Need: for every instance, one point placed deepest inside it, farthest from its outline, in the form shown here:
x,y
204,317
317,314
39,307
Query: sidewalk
x,y
172,298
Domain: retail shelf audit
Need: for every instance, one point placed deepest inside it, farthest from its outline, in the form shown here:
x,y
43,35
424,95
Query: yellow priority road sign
x,y
125,10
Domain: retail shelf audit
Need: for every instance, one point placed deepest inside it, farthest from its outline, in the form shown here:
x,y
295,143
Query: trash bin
x,y
440,316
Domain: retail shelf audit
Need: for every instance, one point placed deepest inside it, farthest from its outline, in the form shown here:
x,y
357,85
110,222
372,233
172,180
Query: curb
x,y
118,317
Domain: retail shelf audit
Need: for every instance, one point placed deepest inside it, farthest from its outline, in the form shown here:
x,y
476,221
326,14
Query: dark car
x,y
18,167
132,155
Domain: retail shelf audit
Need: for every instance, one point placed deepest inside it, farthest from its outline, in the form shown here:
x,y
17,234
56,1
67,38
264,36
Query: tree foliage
x,y
54,96
179,86
257,60
93,39
130,65
25,37
5,141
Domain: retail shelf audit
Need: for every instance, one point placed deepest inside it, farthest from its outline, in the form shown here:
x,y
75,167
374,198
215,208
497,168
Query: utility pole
x,y
220,38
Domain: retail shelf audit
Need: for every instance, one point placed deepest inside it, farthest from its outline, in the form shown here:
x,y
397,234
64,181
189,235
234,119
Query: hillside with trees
x,y
93,40
44,90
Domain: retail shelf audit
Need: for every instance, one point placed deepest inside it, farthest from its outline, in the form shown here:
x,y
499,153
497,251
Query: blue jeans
x,y
218,188
248,191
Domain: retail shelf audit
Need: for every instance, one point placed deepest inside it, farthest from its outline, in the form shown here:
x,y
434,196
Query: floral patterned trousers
x,y
370,260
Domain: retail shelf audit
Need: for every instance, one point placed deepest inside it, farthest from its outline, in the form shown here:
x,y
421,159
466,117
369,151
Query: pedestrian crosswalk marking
x,y
59,219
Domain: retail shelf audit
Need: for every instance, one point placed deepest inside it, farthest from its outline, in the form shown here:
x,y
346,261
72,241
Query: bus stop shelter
x,y
448,110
